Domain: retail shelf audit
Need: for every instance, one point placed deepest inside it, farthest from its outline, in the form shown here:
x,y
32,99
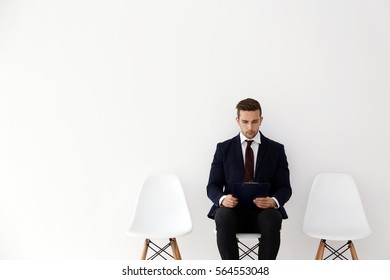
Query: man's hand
x,y
229,201
264,202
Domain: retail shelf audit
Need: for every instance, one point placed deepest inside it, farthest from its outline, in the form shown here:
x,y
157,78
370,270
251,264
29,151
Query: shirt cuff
x,y
277,202
220,200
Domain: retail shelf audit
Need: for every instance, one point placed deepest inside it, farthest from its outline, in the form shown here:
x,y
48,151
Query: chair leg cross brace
x,y
247,251
337,253
161,251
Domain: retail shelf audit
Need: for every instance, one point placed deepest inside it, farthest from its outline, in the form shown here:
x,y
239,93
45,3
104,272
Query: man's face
x,y
249,122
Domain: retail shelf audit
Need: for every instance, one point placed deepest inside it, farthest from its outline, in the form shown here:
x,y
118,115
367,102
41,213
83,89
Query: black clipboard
x,y
247,192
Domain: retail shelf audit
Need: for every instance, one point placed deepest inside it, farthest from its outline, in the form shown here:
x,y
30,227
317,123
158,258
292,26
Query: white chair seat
x,y
162,233
248,235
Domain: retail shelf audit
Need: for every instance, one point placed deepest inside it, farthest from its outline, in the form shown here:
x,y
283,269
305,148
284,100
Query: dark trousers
x,y
267,222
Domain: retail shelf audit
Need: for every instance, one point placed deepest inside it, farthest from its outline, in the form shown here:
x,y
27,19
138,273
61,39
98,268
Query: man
x,y
270,166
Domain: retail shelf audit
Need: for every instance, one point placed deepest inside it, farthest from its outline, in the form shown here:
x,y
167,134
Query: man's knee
x,y
273,214
225,217
270,219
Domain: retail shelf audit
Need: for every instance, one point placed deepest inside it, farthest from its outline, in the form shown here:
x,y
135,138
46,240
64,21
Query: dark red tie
x,y
249,162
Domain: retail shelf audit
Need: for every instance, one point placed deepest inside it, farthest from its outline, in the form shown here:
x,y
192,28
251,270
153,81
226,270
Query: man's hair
x,y
248,104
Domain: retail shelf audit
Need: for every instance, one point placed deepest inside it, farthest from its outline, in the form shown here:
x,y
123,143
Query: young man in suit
x,y
268,165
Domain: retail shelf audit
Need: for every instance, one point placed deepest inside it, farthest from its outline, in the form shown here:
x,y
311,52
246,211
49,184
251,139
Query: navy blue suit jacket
x,y
227,169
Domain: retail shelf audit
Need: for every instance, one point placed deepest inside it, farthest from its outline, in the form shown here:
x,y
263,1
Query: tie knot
x,y
249,142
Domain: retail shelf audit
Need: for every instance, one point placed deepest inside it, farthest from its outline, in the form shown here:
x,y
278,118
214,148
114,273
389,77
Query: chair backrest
x,y
161,209
334,209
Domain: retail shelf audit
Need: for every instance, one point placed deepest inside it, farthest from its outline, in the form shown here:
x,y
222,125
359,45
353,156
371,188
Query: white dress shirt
x,y
255,147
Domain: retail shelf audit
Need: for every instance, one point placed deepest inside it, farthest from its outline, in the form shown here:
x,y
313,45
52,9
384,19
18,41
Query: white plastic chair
x,y
335,212
161,212
245,250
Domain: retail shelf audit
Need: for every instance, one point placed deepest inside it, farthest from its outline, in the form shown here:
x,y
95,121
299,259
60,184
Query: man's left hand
x,y
264,202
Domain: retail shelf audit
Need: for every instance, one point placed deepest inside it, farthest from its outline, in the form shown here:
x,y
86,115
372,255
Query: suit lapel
x,y
260,153
238,154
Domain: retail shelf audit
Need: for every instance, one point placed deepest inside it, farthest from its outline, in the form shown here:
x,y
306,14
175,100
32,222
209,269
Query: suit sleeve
x,y
283,190
216,183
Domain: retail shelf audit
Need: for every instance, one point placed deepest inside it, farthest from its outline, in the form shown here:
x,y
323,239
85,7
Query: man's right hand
x,y
229,201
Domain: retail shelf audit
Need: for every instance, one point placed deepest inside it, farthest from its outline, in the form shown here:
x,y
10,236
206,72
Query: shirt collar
x,y
256,139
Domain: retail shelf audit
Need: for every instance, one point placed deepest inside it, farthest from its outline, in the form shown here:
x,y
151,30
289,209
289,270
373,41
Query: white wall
x,y
95,94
